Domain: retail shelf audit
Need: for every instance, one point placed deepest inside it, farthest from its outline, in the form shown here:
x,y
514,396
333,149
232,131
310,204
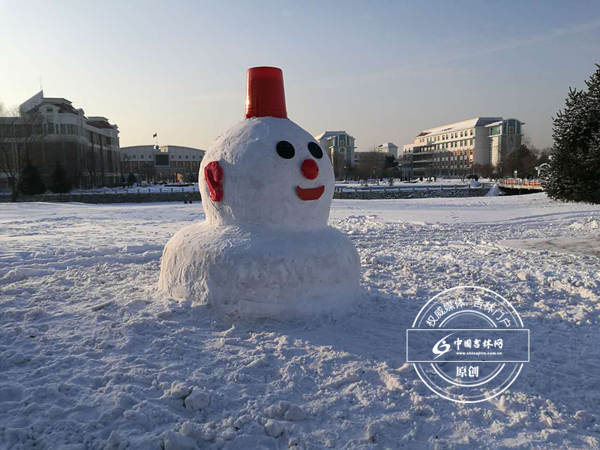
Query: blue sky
x,y
381,70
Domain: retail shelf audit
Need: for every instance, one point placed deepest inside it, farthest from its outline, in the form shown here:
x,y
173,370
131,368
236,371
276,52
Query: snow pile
x,y
588,223
92,356
494,191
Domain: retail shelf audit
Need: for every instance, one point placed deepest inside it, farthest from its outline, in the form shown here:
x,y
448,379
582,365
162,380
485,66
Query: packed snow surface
x,y
93,357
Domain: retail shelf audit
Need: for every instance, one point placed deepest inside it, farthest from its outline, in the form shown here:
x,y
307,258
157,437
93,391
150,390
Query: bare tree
x,y
21,138
483,170
462,172
90,164
370,164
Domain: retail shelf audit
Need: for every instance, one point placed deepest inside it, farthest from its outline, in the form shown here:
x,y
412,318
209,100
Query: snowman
x,y
265,249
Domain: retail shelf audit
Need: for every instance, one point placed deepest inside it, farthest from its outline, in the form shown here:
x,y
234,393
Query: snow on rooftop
x,y
465,124
328,134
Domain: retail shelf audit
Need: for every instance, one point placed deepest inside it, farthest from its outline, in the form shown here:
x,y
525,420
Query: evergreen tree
x,y
59,181
131,179
30,181
574,172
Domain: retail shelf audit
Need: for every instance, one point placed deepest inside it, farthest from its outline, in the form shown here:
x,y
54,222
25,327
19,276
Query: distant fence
x,y
133,196
520,184
415,188
147,195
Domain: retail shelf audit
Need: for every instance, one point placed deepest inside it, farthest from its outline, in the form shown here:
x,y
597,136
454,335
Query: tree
x,y
131,179
21,134
523,160
30,181
574,168
59,181
370,164
462,172
484,170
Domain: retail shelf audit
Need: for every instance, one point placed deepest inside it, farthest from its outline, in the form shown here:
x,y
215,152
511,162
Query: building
x,y
389,148
167,163
51,129
454,149
340,147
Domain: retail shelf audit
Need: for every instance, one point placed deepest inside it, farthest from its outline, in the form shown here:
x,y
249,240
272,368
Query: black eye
x,y
315,150
285,149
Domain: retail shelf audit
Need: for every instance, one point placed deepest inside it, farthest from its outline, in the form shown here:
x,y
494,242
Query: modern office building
x,y
340,147
167,163
455,148
51,129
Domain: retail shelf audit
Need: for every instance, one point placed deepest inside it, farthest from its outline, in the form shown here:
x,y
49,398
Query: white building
x,y
167,163
340,147
454,148
87,146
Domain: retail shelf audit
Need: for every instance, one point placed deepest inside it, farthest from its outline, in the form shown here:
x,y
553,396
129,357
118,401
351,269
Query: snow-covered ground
x,y
92,357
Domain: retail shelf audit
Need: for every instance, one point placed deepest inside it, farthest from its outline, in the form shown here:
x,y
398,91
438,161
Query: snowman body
x,y
265,249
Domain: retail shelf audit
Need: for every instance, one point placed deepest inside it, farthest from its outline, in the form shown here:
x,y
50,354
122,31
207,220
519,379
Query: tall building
x,y
455,148
340,147
167,163
87,146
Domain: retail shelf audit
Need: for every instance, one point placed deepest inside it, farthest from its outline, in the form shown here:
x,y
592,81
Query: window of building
x,y
511,127
193,156
179,156
187,157
161,160
471,132
133,157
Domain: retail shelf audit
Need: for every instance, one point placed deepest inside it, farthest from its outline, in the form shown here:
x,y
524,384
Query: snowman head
x,y
266,170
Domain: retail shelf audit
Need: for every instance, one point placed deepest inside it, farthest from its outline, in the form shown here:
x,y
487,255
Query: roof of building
x,y
471,123
162,148
65,106
99,122
328,134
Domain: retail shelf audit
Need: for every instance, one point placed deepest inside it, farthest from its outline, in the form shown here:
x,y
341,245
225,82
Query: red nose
x,y
310,169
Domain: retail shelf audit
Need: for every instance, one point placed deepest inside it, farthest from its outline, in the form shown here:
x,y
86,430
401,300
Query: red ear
x,y
213,174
